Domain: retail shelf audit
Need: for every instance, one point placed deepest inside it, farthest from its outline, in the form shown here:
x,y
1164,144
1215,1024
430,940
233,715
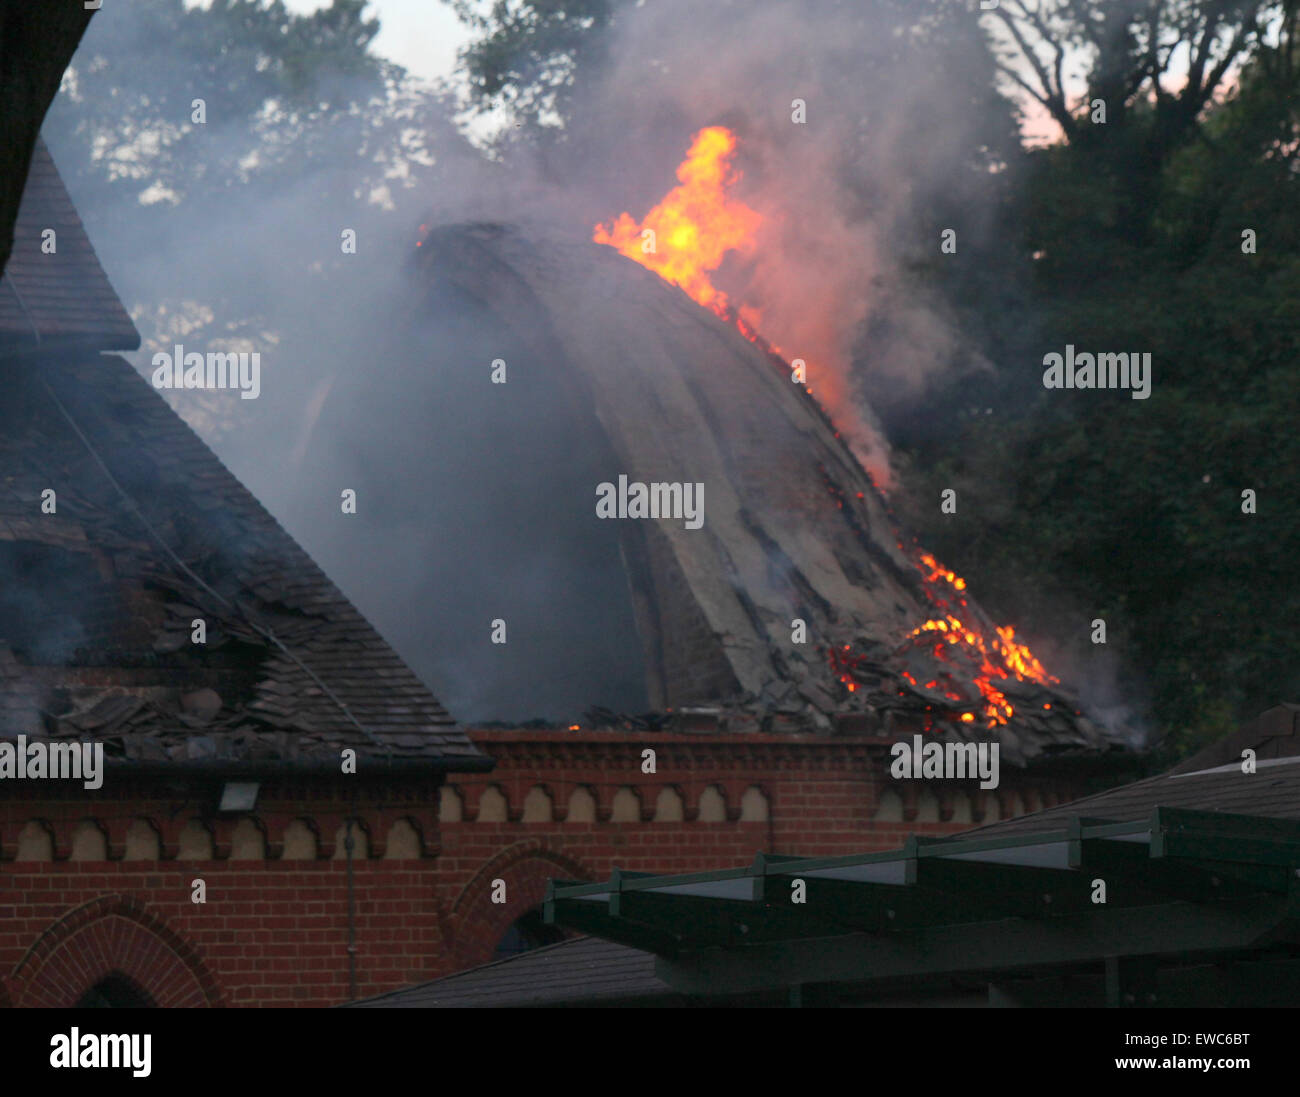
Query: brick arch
x,y
477,923
112,935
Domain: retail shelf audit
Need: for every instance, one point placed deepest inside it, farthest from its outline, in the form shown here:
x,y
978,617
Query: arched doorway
x,y
111,953
115,991
484,927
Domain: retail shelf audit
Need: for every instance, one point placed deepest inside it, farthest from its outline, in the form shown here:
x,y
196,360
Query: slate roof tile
x,y
65,294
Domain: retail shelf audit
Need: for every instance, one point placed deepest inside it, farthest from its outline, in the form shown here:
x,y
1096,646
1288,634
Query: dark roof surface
x,y
1273,791
66,295
581,970
1211,780
95,615
1272,734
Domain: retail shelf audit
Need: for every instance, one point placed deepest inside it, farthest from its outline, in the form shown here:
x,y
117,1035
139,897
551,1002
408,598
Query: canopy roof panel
x,y
1077,892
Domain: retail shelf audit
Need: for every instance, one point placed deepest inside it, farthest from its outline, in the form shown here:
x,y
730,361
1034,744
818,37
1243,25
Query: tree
x,y
528,58
1092,504
302,133
1155,65
1132,50
276,88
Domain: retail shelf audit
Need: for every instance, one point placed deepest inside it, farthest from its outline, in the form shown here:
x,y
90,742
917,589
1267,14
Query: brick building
x,y
1176,890
98,886
454,832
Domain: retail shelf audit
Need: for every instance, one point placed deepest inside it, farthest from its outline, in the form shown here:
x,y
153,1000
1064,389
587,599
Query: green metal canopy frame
x,y
1179,887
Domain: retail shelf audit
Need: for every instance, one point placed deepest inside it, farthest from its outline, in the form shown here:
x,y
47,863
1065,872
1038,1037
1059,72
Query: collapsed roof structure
x,y
799,603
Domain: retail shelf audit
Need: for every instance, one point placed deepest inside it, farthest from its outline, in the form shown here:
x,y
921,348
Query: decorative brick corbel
x,y
222,829
115,836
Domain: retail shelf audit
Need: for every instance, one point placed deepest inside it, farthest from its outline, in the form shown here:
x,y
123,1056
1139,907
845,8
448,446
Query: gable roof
x,y
894,644
64,296
150,532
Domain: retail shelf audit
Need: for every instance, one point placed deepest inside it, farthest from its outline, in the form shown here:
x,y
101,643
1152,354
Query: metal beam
x,y
1005,946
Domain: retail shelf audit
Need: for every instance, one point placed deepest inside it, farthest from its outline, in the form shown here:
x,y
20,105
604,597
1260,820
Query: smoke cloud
x,y
371,383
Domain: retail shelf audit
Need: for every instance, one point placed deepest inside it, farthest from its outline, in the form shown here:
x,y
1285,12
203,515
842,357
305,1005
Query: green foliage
x,y
226,233
527,57
271,81
1131,510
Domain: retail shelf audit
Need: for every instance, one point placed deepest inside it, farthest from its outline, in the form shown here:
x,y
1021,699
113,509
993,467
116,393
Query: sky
x,y
420,35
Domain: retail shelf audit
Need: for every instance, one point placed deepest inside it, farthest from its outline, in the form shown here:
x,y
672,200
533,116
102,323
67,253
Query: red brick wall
x,y
274,931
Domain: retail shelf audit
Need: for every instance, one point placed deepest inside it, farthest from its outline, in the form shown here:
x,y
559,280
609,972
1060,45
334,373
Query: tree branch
x,y
1049,95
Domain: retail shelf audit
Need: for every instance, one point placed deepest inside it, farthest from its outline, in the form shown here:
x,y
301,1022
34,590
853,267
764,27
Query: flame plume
x,y
684,239
688,234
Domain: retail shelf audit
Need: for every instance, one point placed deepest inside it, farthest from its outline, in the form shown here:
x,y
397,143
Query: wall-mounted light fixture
x,y
238,796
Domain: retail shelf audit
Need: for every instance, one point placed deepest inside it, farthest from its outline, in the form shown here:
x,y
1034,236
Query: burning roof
x,y
799,602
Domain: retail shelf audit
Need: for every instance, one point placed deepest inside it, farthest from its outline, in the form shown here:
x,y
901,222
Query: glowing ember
x,y
936,572
969,648
963,640
687,235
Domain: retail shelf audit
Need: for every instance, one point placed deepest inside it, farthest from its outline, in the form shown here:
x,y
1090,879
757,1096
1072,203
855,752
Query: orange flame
x,y
687,235
684,239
